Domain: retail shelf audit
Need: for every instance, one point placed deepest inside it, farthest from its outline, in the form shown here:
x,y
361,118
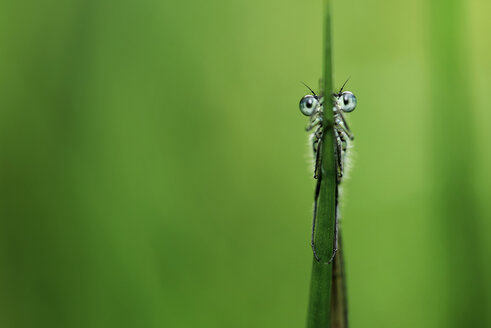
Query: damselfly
x,y
313,106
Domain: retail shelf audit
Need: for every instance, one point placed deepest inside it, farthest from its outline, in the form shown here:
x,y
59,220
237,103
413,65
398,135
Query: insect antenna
x,y
344,84
309,88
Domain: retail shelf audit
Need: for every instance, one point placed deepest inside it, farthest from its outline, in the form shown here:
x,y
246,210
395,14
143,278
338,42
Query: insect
x,y
313,107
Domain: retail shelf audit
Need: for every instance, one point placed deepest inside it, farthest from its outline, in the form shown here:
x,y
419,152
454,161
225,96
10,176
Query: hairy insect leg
x,y
342,146
344,142
317,144
342,125
339,155
315,120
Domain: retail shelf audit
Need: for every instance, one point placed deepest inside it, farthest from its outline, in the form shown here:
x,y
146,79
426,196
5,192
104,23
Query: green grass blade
x,y
320,288
454,154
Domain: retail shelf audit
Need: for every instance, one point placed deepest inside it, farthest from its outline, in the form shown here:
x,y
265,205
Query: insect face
x,y
308,105
346,101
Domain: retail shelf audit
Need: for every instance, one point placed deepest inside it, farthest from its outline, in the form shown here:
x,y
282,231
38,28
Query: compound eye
x,y
347,101
308,104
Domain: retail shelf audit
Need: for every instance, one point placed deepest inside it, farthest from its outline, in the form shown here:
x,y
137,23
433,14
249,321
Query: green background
x,y
155,170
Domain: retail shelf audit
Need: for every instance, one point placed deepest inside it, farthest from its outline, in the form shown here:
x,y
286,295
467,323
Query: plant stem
x,y
320,288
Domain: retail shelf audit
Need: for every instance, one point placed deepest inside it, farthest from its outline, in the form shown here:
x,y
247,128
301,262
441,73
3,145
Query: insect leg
x,y
342,147
316,197
339,150
344,142
336,229
318,162
342,125
314,121
335,249
317,144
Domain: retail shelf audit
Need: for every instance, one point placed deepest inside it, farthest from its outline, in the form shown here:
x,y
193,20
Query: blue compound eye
x,y
308,104
347,102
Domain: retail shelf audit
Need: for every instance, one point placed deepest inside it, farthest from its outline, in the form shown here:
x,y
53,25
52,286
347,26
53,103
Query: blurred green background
x,y
155,171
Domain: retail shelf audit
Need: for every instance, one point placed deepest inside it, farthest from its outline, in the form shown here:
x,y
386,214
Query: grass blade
x,y
454,154
319,314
